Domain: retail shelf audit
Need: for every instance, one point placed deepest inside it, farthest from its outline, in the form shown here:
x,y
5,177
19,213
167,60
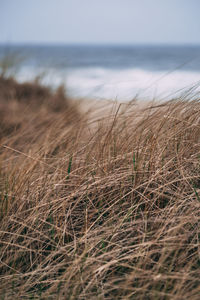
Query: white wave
x,y
126,84
116,84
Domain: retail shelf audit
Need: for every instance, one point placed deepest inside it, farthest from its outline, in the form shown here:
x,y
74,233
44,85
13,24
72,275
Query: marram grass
x,y
103,204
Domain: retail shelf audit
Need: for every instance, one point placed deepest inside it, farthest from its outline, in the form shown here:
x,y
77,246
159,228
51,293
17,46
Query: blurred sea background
x,y
111,72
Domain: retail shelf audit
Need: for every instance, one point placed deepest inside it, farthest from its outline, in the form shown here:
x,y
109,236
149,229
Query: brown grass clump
x,y
98,207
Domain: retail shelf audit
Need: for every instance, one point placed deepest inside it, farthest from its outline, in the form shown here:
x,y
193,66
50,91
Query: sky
x,y
100,21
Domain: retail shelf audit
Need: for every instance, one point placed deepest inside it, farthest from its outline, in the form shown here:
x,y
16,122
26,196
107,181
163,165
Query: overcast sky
x,y
100,21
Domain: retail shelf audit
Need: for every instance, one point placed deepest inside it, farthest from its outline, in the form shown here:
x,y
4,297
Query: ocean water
x,y
111,72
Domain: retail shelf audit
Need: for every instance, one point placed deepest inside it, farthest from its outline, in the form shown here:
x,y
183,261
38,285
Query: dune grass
x,y
103,204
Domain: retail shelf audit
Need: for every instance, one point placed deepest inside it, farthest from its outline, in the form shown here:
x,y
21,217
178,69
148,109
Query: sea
x,y
117,72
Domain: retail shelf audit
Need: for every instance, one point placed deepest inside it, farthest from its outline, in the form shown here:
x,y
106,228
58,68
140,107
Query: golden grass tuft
x,y
100,205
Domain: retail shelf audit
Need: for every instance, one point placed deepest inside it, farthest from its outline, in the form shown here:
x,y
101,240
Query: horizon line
x,y
118,44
